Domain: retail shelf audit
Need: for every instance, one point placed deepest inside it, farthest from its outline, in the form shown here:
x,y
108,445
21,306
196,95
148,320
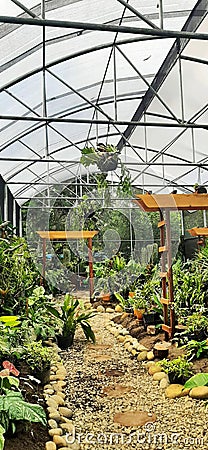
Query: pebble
x,y
142,356
110,310
176,390
57,399
52,403
150,355
50,445
200,392
55,416
118,308
52,423
158,376
59,441
55,431
100,309
66,412
164,383
154,369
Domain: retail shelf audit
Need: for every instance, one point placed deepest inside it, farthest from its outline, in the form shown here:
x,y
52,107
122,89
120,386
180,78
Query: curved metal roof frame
x,y
111,105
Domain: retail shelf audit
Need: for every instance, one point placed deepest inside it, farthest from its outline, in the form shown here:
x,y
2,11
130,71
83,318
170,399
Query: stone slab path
x,y
104,380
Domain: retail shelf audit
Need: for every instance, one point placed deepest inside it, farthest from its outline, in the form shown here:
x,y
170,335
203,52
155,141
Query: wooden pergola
x,y
164,204
201,233
73,235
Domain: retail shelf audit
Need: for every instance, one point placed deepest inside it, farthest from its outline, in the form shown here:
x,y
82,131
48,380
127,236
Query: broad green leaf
x,y
10,381
89,334
2,431
18,409
200,379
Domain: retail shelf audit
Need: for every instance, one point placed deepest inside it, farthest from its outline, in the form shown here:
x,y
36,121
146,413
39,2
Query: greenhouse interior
x,y
103,224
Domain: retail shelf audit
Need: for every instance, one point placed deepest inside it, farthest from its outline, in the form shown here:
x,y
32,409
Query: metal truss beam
x,y
195,18
137,13
110,121
104,27
24,8
66,161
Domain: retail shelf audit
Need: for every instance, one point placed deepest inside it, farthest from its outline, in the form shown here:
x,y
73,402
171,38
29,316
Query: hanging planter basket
x,y
107,161
105,157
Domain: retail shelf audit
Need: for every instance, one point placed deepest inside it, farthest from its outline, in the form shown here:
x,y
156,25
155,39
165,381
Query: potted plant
x,y
38,358
126,303
70,315
139,305
102,290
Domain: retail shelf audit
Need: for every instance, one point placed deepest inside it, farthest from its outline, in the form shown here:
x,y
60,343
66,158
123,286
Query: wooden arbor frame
x,y
201,233
63,236
164,203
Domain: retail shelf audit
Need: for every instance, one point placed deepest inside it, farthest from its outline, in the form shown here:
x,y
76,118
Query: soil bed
x,y
31,436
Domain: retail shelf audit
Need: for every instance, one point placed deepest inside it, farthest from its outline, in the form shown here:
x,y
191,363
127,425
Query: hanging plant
x,y
106,157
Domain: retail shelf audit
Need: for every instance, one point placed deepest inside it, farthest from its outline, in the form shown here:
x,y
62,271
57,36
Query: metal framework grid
x,y
156,114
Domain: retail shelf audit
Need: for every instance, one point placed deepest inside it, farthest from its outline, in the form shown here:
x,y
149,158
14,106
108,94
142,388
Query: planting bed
x,y
31,436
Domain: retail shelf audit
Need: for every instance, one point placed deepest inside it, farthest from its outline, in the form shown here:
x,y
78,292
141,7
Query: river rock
x,y
110,310
121,338
66,412
54,431
149,364
100,309
50,445
176,391
164,383
67,427
118,308
48,391
142,356
57,399
158,376
134,352
52,423
154,369
141,348
52,403
59,441
55,416
150,355
199,392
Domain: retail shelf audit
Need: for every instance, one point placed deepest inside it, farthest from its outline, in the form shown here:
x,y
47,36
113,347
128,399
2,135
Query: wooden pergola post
x,y
165,203
91,275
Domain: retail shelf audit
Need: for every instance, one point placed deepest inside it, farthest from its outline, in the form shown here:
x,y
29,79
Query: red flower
x,y
8,365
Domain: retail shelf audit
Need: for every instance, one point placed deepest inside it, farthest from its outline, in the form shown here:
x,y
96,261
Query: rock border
x,y
59,415
146,357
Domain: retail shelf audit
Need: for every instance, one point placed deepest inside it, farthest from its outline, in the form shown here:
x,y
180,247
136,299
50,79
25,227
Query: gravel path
x,y
180,423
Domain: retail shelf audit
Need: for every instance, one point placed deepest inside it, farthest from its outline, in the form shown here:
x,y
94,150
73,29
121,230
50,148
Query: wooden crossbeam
x,y
166,328
165,301
161,224
163,249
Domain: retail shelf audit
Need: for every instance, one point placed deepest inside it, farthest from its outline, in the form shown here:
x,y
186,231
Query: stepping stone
x,y
116,391
114,373
133,418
